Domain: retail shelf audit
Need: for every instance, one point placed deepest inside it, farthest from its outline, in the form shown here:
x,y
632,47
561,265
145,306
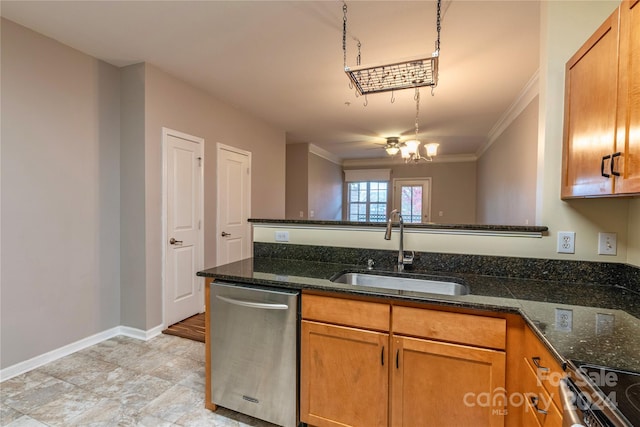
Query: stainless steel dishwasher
x,y
254,345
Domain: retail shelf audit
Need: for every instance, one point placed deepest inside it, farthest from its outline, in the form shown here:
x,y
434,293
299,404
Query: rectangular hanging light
x,y
405,74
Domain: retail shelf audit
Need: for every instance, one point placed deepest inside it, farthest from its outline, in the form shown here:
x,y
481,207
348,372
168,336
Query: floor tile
x,y
120,382
174,403
38,396
26,421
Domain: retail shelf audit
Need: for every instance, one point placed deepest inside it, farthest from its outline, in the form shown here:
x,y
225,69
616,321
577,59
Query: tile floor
x,y
118,382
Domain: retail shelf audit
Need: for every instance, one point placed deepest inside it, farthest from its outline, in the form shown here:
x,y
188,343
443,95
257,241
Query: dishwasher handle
x,y
251,304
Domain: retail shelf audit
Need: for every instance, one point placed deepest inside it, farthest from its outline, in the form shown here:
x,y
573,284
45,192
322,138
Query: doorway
x,y
233,232
412,198
183,234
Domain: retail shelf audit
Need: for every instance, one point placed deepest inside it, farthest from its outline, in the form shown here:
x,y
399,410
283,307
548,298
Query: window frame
x,y
368,203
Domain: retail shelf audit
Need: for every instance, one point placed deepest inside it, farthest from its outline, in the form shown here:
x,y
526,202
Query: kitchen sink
x,y
446,286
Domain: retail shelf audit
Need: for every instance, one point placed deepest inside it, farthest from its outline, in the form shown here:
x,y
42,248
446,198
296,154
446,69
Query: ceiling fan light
x,y
392,151
432,149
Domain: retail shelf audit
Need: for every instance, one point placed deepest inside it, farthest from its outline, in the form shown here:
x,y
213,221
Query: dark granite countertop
x,y
606,319
430,225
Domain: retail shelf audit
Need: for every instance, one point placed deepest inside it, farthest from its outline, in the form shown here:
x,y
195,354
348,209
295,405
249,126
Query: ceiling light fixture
x,y
410,150
402,74
392,147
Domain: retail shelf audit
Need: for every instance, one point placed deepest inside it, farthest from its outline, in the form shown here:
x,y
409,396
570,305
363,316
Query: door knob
x,y
225,234
175,242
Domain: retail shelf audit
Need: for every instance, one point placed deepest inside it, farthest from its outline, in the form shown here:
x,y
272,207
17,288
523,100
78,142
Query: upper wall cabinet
x,y
602,110
628,119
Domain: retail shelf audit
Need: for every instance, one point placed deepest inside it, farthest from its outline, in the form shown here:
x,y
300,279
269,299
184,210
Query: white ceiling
x,y
282,61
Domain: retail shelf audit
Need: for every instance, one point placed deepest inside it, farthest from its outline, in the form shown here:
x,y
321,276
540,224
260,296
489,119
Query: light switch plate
x,y
607,244
566,242
604,324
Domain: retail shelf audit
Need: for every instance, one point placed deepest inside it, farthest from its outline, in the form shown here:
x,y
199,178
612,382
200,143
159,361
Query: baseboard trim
x,y
37,361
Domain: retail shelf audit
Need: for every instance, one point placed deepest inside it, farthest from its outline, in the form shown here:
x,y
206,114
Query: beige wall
x,y
297,181
60,195
325,188
453,188
313,185
633,242
506,176
174,104
133,307
81,189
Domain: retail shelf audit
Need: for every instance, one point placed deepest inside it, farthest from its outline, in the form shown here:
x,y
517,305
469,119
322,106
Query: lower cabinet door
x,y
446,385
344,377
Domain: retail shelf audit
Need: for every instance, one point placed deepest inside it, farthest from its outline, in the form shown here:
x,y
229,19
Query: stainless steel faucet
x,y
402,258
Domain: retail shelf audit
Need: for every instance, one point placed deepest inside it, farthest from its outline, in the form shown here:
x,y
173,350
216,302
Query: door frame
x,y
399,181
166,132
249,237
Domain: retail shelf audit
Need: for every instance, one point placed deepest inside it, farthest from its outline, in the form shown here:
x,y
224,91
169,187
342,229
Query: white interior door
x,y
183,248
234,204
412,198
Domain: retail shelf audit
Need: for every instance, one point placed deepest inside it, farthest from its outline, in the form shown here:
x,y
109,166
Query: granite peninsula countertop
x,y
424,226
605,329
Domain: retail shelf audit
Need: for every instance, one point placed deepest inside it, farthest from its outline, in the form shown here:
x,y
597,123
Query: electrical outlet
x,y
282,236
564,320
312,214
607,244
301,214
566,242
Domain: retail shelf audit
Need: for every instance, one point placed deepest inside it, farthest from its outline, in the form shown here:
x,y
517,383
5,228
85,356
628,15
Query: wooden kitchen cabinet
x,y
628,123
448,368
591,77
443,368
344,358
442,384
344,376
541,375
601,146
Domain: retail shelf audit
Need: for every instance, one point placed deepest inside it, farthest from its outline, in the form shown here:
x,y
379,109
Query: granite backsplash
x,y
583,272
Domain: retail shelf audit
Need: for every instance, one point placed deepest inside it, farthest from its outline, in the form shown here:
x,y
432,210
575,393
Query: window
x,y
413,198
367,201
411,203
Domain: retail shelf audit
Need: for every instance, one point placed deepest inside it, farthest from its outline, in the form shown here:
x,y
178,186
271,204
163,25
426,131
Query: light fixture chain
x,y
344,32
438,26
417,98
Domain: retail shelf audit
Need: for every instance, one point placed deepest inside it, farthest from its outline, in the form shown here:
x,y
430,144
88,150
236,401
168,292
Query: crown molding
x,y
321,152
527,94
397,161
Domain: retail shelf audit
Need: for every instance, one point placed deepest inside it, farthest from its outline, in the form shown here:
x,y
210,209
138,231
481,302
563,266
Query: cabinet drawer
x,y
548,372
359,314
539,403
453,327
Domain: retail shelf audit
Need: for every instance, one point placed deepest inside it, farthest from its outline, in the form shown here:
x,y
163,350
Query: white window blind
x,y
359,175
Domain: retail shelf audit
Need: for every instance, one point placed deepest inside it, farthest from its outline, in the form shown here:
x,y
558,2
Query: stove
x,y
598,396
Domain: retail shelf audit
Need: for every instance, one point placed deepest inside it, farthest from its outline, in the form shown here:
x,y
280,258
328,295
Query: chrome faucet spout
x,y
387,233
387,236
